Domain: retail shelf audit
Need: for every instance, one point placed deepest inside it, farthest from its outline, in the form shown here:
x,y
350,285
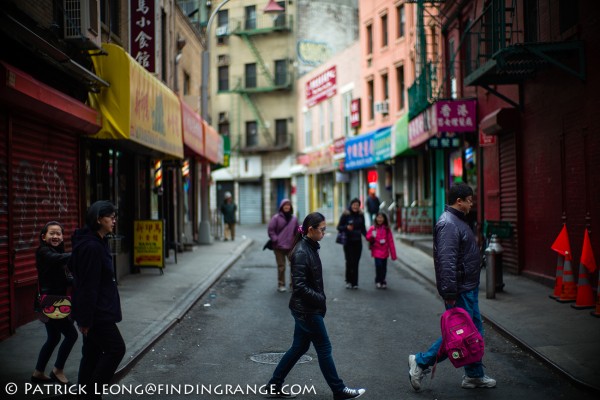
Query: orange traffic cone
x,y
563,247
569,289
585,296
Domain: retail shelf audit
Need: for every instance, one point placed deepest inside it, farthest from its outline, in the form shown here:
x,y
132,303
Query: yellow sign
x,y
148,245
137,106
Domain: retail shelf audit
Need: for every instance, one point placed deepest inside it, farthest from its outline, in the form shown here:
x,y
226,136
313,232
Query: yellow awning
x,y
136,106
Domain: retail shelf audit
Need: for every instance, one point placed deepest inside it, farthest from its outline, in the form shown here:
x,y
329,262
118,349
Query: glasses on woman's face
x,y
323,229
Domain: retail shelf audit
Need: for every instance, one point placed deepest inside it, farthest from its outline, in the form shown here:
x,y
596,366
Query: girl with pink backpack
x,y
381,243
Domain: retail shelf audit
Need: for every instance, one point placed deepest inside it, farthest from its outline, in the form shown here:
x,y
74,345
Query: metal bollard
x,y
493,251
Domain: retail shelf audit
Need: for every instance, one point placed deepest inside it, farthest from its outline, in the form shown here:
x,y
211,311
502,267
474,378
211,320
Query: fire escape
x,y
252,32
504,49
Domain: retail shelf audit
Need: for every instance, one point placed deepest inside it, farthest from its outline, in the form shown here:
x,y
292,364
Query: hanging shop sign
x,y
321,87
399,142
360,151
355,113
136,106
148,243
213,144
143,28
421,128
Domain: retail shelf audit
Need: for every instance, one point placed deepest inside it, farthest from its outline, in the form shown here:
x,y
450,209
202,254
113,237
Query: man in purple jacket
x,y
282,230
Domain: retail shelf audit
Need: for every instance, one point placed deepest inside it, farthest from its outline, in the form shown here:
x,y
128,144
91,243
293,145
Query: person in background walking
x,y
373,204
54,280
96,301
352,221
228,209
308,307
282,230
382,246
457,268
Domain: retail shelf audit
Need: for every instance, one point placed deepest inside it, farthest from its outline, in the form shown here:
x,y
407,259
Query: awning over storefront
x,y
359,151
21,90
282,171
223,174
193,134
399,145
213,144
136,106
298,169
383,144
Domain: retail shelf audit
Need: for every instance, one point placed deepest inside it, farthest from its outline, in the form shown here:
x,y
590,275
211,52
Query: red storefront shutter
x,y
509,198
4,253
44,187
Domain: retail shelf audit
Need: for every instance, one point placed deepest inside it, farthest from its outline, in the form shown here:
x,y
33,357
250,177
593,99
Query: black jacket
x,y
455,254
50,262
308,295
95,295
358,221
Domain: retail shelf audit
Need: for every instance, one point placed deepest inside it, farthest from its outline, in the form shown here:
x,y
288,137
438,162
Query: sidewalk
x,y
560,336
151,304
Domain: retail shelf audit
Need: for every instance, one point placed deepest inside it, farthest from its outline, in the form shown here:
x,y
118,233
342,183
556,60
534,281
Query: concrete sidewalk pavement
x,y
151,304
564,338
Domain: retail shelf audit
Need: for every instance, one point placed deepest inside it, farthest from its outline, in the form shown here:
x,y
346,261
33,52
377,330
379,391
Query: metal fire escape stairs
x,y
503,55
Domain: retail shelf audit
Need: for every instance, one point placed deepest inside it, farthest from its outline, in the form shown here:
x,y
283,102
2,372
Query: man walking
x,y
228,209
373,204
457,268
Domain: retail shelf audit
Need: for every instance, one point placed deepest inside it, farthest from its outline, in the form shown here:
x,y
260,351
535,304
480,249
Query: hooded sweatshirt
x,y
282,228
95,295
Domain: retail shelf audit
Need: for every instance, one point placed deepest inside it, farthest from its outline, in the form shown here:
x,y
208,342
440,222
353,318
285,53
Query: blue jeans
x,y
309,328
470,302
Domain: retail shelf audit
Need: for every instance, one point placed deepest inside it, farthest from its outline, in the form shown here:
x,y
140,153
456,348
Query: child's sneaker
x,y
482,382
416,373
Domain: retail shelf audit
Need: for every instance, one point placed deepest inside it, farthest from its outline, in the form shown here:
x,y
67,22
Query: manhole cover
x,y
273,358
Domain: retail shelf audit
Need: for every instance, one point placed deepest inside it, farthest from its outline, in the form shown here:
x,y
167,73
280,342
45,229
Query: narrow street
x,y
372,332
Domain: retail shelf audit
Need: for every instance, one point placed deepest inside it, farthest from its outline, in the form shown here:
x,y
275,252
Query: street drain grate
x,y
273,358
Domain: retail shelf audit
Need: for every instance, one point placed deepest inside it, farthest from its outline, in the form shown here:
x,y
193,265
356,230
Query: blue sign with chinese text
x,y
360,151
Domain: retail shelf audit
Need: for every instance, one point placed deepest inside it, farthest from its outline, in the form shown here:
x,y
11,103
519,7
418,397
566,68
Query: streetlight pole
x,y
204,236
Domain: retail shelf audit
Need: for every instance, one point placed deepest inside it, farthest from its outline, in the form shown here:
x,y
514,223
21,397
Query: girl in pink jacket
x,y
382,246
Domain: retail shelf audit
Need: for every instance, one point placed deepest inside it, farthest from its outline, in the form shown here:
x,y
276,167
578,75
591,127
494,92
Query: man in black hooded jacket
x,y
457,269
96,301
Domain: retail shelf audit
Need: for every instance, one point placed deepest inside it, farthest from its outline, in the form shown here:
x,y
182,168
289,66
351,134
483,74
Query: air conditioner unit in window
x,y
82,23
223,60
381,107
222,30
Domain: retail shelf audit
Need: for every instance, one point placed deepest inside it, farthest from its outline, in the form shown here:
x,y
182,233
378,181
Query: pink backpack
x,y
461,341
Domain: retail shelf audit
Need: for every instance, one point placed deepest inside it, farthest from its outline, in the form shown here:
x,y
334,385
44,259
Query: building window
x,y
371,99
307,128
250,75
321,123
281,72
109,15
251,134
568,14
281,134
400,87
186,83
369,39
385,86
223,127
451,71
401,18
250,17
223,79
384,30
346,104
531,24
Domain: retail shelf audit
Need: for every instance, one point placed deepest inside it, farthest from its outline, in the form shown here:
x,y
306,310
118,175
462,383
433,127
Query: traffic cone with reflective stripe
x,y
560,265
569,289
585,296
562,246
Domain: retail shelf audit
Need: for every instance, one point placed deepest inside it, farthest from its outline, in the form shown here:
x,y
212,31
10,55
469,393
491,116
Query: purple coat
x,y
281,231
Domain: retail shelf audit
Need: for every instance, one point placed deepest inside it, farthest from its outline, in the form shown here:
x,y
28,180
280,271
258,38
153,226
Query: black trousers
x,y
352,252
102,351
54,329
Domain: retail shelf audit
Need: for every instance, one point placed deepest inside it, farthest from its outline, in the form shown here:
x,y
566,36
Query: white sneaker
x,y
416,373
281,289
348,393
378,285
473,383
348,286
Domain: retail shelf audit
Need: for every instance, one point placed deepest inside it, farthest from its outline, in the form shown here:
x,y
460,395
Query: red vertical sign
x,y
355,113
143,33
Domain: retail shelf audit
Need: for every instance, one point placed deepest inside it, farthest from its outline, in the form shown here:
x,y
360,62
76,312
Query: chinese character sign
x,y
355,113
456,115
148,243
143,33
321,87
360,151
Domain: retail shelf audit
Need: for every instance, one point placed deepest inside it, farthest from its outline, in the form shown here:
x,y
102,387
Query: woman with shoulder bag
x,y
53,280
352,223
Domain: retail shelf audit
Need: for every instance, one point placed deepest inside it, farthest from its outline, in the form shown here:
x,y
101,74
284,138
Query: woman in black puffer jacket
x,y
308,309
